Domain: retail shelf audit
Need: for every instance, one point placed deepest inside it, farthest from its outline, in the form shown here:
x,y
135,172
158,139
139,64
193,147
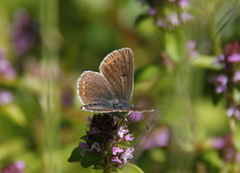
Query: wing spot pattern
x,y
112,60
84,87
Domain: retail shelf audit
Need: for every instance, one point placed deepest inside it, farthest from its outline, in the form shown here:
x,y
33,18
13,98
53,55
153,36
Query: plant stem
x,y
50,82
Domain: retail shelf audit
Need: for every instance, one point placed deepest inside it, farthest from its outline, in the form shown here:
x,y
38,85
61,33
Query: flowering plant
x,y
107,145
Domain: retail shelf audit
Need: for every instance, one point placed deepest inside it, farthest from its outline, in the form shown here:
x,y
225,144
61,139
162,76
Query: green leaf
x,y
175,45
208,62
158,155
89,159
216,98
143,74
140,18
124,144
213,158
238,88
236,94
236,137
16,114
75,155
130,168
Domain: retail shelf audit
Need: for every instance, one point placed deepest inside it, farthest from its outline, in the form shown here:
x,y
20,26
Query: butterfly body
x,y
108,106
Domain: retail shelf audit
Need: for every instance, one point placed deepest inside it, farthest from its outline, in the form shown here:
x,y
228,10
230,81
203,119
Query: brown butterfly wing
x,y
117,67
94,89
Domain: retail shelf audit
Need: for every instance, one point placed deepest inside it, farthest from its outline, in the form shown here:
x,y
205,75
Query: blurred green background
x,y
45,46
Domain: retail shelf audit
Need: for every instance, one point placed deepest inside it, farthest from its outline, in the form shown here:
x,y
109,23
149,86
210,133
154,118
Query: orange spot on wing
x,y
83,87
83,93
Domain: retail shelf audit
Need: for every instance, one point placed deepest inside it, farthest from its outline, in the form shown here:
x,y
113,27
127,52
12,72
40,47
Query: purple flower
x,y
219,61
191,46
135,116
234,57
116,159
183,3
5,97
95,146
129,137
67,98
173,19
226,148
234,110
94,130
83,145
152,11
24,32
161,23
229,78
238,157
89,121
232,50
127,155
158,138
15,167
169,14
108,141
218,143
236,77
122,130
6,68
116,150
220,83
185,16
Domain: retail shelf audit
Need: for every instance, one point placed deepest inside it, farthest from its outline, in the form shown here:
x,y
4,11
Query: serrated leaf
x,y
89,159
75,155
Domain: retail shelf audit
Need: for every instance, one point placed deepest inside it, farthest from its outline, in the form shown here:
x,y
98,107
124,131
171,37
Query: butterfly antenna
x,y
146,124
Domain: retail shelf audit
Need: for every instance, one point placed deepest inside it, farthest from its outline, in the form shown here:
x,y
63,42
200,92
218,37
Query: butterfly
x,y
111,89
